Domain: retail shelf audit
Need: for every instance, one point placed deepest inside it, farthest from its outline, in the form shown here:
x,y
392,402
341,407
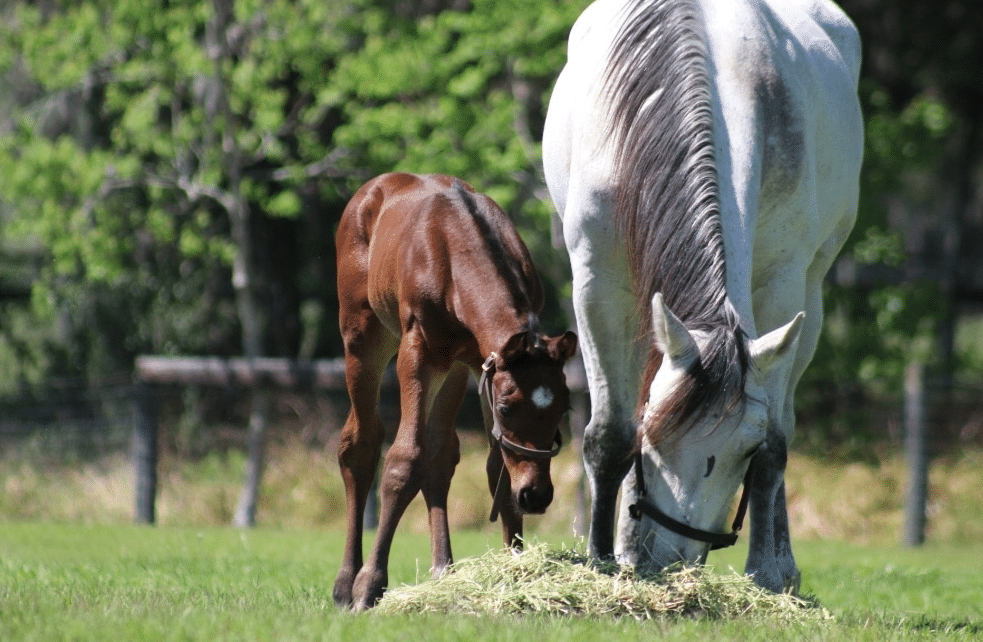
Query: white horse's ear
x,y
778,344
671,336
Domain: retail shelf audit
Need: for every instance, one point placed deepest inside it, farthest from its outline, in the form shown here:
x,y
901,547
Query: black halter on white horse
x,y
644,506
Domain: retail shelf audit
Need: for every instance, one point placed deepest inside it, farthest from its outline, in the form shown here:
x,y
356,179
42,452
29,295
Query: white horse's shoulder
x,y
574,138
593,28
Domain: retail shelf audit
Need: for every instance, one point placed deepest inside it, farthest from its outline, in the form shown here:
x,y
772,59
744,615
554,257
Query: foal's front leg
x,y
500,483
444,453
500,486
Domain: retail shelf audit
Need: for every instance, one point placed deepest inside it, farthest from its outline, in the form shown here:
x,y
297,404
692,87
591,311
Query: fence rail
x,y
85,422
246,373
281,374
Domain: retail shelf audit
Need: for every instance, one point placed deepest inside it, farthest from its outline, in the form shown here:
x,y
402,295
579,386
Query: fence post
x,y
144,453
245,516
917,454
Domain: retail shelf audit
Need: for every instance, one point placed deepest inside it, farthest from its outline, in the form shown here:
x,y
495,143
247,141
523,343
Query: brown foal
x,y
436,274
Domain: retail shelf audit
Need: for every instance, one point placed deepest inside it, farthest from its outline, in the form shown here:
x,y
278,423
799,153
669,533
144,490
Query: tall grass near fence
x,y
860,502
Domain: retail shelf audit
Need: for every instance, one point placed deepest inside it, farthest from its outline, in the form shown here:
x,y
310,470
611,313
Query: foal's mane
x,y
668,206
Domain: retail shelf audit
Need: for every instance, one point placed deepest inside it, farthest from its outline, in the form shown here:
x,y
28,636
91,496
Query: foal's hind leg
x,y
443,455
404,469
368,349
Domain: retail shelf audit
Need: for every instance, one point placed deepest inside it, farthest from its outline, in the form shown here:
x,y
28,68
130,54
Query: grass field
x,y
72,567
84,582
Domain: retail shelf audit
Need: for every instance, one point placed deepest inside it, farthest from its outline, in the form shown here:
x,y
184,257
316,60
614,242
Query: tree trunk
x,y
243,272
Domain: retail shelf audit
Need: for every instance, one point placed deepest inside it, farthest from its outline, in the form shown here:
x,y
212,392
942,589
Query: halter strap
x,y
643,506
496,435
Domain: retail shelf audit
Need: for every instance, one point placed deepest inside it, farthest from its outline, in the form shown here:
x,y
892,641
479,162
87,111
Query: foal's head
x,y
529,397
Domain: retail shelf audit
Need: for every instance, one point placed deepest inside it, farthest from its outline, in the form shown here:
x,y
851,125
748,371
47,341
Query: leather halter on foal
x,y
486,390
643,506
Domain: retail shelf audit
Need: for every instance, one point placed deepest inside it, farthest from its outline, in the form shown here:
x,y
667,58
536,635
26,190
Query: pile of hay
x,y
567,582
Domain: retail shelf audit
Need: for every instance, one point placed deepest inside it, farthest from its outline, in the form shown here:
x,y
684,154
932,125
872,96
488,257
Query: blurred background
x,y
172,173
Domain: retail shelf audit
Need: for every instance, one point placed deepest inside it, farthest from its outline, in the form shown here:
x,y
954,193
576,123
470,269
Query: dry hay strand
x,y
558,582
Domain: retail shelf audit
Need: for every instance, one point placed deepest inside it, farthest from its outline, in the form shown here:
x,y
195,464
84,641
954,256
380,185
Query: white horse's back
x,y
782,71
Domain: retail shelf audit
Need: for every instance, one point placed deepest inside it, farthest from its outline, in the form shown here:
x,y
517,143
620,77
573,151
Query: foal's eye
x,y
503,409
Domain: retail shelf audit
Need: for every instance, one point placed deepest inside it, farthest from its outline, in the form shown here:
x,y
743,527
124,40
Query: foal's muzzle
x,y
535,500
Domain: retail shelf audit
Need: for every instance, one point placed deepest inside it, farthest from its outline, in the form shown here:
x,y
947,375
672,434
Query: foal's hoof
x,y
342,592
368,589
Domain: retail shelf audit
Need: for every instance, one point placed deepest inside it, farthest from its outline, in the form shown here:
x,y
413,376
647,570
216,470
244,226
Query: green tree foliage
x,y
880,315
138,137
908,268
140,129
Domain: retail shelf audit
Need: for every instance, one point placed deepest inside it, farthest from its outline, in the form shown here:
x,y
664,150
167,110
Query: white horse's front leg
x,y
577,172
606,321
609,438
770,561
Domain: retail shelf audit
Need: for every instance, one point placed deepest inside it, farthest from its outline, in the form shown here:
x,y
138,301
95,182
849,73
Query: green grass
x,y
82,582
73,567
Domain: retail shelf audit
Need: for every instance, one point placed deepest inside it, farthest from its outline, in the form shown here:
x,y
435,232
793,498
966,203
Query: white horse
x,y
704,156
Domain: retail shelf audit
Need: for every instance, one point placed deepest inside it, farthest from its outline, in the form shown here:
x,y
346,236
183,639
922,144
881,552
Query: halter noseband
x,y
643,506
486,390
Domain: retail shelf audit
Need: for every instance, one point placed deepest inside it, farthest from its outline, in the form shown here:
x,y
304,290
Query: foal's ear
x,y
563,347
517,344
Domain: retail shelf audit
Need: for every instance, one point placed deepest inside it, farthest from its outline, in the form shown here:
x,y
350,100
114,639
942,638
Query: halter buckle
x,y
489,362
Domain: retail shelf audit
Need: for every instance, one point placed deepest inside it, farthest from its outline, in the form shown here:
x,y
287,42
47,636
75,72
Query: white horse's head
x,y
696,444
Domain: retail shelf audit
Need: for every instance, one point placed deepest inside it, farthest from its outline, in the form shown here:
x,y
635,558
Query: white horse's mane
x,y
659,94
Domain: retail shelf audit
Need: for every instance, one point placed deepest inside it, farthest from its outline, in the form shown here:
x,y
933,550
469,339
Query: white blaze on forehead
x,y
542,397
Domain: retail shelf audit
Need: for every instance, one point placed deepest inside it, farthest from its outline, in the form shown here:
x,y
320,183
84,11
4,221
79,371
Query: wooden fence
x,y
329,375
276,374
